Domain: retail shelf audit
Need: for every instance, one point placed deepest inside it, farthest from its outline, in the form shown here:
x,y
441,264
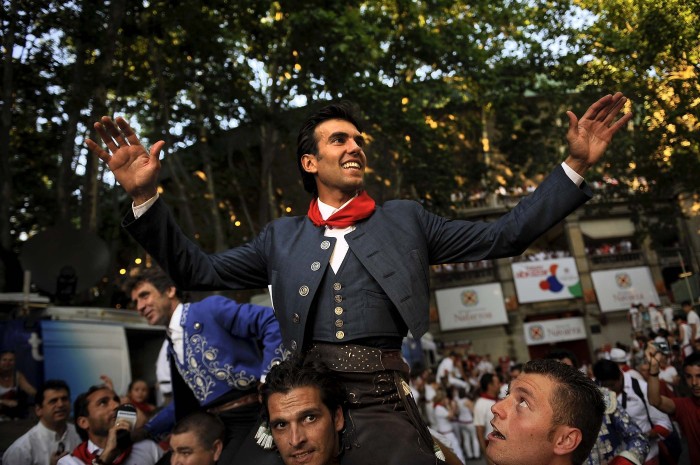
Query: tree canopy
x,y
458,97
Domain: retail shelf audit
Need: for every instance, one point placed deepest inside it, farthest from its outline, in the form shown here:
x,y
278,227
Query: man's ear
x,y
171,292
308,162
218,448
82,422
339,420
566,439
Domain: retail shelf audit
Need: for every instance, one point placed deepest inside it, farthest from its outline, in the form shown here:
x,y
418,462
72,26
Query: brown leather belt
x,y
240,402
356,358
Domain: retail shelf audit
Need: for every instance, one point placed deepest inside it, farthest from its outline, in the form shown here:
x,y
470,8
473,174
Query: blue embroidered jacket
x,y
222,351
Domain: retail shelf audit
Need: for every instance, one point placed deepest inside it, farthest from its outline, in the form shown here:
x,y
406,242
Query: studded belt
x,y
357,358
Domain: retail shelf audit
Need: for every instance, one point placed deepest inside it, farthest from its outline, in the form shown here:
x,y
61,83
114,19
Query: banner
x,y
545,280
471,307
549,331
619,288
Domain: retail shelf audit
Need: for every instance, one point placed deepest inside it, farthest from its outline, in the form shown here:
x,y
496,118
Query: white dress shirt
x,y
38,444
142,453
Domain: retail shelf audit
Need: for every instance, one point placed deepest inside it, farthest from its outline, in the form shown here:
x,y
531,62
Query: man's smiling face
x,y
340,163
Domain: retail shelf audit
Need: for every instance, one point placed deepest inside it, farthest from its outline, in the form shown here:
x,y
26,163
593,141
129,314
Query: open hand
x,y
590,136
135,168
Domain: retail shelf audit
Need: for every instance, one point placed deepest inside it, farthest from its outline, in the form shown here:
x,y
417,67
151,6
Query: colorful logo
x,y
536,332
560,278
623,280
470,298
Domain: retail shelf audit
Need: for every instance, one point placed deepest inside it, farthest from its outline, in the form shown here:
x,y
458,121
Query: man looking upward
x,y
350,279
551,416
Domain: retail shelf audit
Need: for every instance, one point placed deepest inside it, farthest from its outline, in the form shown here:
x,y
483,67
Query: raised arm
x,y
135,168
662,403
590,136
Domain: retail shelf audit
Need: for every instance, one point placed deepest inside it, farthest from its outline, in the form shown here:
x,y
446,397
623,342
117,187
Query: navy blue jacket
x,y
396,245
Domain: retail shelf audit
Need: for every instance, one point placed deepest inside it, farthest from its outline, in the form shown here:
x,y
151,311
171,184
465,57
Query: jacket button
x,y
296,318
197,326
337,286
338,299
315,266
325,245
293,345
339,335
338,323
338,311
304,291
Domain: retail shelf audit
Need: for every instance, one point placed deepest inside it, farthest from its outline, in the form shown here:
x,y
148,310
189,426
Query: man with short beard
x,y
95,413
51,438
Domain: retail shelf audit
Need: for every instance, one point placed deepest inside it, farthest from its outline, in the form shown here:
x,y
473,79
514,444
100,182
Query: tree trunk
x,y
74,103
6,188
176,170
104,71
267,208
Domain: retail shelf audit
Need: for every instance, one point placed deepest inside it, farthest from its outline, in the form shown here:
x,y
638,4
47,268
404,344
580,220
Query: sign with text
x,y
549,331
471,306
619,288
545,280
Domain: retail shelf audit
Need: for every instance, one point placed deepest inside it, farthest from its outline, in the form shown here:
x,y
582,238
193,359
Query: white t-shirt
x,y
483,415
36,446
142,453
693,318
668,373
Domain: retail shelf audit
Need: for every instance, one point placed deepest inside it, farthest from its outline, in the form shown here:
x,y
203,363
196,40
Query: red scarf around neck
x,y
87,457
359,208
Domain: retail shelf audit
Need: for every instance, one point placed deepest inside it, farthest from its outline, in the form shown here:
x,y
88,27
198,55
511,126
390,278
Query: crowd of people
x,y
642,390
348,282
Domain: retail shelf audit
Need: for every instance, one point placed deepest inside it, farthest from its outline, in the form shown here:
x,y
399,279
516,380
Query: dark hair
x,y
295,373
306,140
692,360
561,354
53,384
686,302
576,402
679,316
134,381
486,379
155,276
80,407
606,370
205,426
516,367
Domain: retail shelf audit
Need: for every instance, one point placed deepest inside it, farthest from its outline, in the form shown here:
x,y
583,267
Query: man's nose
x,y
498,408
297,436
352,146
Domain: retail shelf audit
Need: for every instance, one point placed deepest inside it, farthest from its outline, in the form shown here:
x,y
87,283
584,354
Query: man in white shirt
x,y
693,321
632,396
95,414
448,372
656,319
490,386
51,438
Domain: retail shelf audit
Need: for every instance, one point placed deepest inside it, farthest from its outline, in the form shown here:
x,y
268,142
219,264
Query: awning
x,y
604,229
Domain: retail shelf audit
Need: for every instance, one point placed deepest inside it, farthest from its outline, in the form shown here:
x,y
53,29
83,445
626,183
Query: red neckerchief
x,y
488,396
87,457
360,208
